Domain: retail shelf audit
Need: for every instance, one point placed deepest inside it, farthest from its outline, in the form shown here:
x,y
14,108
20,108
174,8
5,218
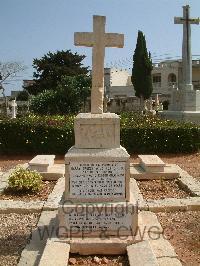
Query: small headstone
x,y
151,163
41,163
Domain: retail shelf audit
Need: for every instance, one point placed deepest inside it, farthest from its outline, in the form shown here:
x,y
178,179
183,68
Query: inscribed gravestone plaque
x,y
97,179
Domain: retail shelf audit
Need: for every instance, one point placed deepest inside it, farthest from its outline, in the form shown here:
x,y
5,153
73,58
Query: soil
x,y
47,187
98,260
161,189
182,229
15,231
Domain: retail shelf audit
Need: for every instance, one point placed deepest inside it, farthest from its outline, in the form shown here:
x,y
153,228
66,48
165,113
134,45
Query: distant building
x,y
168,75
28,82
117,83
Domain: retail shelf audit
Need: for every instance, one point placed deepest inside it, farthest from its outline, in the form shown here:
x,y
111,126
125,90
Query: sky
x,y
31,28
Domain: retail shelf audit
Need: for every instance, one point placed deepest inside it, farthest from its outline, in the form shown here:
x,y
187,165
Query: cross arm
x,y
83,39
194,21
178,20
114,40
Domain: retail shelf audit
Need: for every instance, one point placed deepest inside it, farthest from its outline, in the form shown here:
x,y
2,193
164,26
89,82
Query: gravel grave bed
x,y
15,231
161,189
47,187
98,260
182,229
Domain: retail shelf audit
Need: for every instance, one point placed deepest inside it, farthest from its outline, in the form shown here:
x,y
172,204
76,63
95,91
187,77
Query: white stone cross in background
x,y
98,39
186,46
14,108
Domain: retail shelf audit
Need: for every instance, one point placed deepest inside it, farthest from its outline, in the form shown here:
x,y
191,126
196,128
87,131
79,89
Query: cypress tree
x,y
141,71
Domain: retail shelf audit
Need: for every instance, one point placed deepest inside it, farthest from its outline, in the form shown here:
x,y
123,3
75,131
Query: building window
x,y
156,78
172,78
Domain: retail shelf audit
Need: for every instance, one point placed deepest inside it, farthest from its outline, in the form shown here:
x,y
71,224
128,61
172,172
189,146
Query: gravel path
x,y
183,231
15,231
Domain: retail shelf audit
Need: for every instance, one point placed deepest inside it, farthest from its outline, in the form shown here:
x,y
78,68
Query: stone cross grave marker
x,y
14,108
186,46
98,39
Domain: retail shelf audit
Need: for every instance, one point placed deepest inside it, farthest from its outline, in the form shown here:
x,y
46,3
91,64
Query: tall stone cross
x,y
98,39
186,46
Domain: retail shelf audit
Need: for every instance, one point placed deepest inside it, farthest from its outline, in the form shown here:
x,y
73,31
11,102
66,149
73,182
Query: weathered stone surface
x,y
173,204
54,198
101,155
54,172
90,168
92,246
191,184
150,162
170,172
17,206
97,131
55,253
141,254
167,261
98,39
95,219
41,163
32,252
162,248
136,195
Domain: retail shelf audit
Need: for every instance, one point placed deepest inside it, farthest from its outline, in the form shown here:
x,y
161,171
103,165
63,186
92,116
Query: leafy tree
x,y
8,71
23,96
141,72
52,66
68,98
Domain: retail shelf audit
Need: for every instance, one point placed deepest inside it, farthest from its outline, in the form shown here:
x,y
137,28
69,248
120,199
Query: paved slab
x,y
138,173
173,204
55,253
46,228
54,198
136,195
141,254
18,206
167,261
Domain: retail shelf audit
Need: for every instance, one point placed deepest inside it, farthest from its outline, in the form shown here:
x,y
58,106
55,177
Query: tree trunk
x,y
141,103
5,101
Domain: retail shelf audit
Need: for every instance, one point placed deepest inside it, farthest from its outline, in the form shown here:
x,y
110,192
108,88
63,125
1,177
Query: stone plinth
x,y
41,163
97,175
97,131
97,219
151,163
185,100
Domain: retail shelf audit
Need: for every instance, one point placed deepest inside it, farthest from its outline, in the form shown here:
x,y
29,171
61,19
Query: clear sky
x,y
31,28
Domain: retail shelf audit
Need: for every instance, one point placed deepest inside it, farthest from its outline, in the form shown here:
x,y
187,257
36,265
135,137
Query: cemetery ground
x,y
181,228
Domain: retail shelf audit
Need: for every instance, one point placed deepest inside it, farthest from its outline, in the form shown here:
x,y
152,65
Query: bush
x,y
55,134
150,134
22,180
68,97
34,134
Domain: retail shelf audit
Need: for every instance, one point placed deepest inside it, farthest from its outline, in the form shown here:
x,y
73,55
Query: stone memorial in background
x,y
97,168
185,102
14,109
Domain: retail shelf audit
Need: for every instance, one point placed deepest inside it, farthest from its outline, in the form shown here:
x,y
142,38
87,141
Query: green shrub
x,y
24,180
55,135
67,98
